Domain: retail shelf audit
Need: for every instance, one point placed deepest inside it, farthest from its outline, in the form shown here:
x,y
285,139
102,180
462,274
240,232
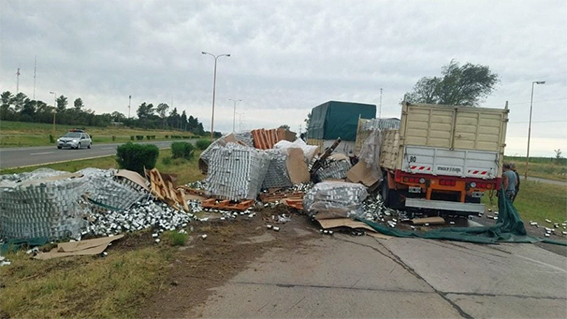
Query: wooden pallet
x,y
278,196
164,190
295,203
227,204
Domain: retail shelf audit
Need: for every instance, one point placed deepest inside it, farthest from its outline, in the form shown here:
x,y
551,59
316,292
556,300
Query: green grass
x,y
538,201
174,238
16,134
543,167
82,286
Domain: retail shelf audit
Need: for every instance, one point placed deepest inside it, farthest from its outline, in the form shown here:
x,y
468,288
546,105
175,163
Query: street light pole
x,y
129,101
530,125
214,88
234,117
54,109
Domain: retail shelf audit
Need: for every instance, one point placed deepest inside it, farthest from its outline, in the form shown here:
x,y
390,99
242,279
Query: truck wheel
x,y
59,147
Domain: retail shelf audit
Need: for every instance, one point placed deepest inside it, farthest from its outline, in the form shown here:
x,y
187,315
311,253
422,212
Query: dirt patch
x,y
207,263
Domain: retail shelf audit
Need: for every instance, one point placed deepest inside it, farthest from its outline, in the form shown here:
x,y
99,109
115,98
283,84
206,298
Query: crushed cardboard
x,y
133,176
361,173
296,166
84,247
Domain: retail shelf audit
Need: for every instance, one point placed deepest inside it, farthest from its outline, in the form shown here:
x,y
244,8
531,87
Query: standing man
x,y
509,182
513,168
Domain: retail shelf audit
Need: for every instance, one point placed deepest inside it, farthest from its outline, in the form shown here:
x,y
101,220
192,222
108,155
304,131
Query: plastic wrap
x,y
370,153
335,199
277,175
333,169
308,150
236,172
43,203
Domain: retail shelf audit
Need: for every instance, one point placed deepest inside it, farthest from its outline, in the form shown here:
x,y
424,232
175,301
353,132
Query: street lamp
x,y
530,125
234,117
214,87
129,102
54,109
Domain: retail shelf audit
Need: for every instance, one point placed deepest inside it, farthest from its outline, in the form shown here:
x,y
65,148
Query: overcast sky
x,y
287,56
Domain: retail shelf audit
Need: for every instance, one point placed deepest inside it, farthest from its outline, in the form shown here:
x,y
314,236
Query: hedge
x,y
137,156
182,150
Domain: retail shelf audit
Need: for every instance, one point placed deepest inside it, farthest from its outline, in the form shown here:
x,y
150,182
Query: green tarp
x,y
333,119
509,228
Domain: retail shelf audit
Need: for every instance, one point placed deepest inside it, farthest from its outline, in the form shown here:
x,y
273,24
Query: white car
x,y
74,139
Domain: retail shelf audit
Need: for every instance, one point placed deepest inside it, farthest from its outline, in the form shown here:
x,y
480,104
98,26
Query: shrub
x,y
139,137
182,150
132,137
167,136
137,156
203,143
148,137
51,139
113,138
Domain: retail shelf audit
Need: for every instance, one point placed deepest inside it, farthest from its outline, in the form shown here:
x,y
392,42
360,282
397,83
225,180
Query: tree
x,y
18,101
162,112
145,110
118,117
285,126
557,154
61,103
459,85
183,121
28,108
7,99
307,121
78,104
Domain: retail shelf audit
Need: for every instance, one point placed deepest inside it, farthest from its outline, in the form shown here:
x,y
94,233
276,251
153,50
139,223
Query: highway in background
x,y
26,156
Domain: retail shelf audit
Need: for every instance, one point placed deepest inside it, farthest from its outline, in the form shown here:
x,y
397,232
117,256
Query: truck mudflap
x,y
471,208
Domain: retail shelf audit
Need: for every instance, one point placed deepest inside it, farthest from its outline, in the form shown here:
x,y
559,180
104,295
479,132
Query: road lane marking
x,y
42,153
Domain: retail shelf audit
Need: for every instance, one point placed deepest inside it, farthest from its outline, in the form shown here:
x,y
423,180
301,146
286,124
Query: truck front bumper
x,y
445,205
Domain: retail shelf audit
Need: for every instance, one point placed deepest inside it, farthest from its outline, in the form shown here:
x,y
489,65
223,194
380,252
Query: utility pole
x,y
34,75
129,101
380,107
18,81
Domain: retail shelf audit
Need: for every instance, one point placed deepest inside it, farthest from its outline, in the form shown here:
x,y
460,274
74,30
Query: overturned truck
x,y
443,158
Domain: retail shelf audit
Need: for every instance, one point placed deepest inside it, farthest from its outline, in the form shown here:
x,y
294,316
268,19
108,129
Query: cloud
x,y
286,57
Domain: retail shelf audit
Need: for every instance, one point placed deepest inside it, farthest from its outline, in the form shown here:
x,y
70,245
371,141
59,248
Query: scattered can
x,y
276,229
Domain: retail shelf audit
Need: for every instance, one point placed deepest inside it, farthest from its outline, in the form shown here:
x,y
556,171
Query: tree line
x,y
20,107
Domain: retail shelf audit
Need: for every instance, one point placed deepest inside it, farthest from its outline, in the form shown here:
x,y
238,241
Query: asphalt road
x,y
26,156
364,277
